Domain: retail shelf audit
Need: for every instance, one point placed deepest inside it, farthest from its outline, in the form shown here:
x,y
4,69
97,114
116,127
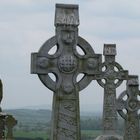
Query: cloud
x,y
109,8
17,11
26,24
110,19
111,28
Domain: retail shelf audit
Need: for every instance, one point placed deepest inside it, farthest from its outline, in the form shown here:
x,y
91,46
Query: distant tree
x,y
91,124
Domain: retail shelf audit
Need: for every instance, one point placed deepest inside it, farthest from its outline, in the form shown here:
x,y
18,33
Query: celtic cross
x,y
128,100
65,64
111,77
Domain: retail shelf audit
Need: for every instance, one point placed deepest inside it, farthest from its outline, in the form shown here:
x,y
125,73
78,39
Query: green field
x,y
31,134
91,132
44,135
35,124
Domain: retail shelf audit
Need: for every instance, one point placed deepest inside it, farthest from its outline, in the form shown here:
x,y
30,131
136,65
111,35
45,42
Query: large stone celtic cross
x,y
111,77
66,64
132,106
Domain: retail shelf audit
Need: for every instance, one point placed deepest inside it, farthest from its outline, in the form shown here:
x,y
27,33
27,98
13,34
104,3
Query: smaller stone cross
x,y
131,104
112,75
10,122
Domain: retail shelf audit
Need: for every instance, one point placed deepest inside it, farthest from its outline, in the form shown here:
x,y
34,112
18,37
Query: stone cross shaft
x,y
112,75
66,63
2,116
1,94
2,125
128,100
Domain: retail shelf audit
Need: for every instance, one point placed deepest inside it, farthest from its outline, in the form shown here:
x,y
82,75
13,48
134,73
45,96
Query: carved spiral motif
x,y
67,63
132,105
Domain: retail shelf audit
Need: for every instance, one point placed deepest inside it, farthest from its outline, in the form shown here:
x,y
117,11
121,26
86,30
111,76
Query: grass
x,y
91,133
41,134
31,134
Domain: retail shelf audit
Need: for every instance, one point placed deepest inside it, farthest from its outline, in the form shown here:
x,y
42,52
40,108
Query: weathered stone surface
x,y
132,106
66,64
111,77
109,137
5,121
2,125
10,122
2,115
1,94
66,15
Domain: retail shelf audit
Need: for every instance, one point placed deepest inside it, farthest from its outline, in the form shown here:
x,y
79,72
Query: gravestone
x,y
128,100
2,125
66,64
1,94
5,121
2,115
10,122
111,77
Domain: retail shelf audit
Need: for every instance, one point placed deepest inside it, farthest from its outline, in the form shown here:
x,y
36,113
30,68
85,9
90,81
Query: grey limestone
x,y
111,77
7,122
1,94
2,115
128,107
66,64
10,122
109,137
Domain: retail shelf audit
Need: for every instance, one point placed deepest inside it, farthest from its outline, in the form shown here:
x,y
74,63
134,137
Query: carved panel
x,y
66,15
109,49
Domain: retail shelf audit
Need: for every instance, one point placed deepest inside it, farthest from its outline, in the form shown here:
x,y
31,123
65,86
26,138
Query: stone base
x,y
109,137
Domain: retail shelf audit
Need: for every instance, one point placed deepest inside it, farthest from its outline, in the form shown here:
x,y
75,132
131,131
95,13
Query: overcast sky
x,y
26,24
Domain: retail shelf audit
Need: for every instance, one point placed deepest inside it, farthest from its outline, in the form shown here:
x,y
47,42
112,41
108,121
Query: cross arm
x,y
122,75
90,65
42,64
